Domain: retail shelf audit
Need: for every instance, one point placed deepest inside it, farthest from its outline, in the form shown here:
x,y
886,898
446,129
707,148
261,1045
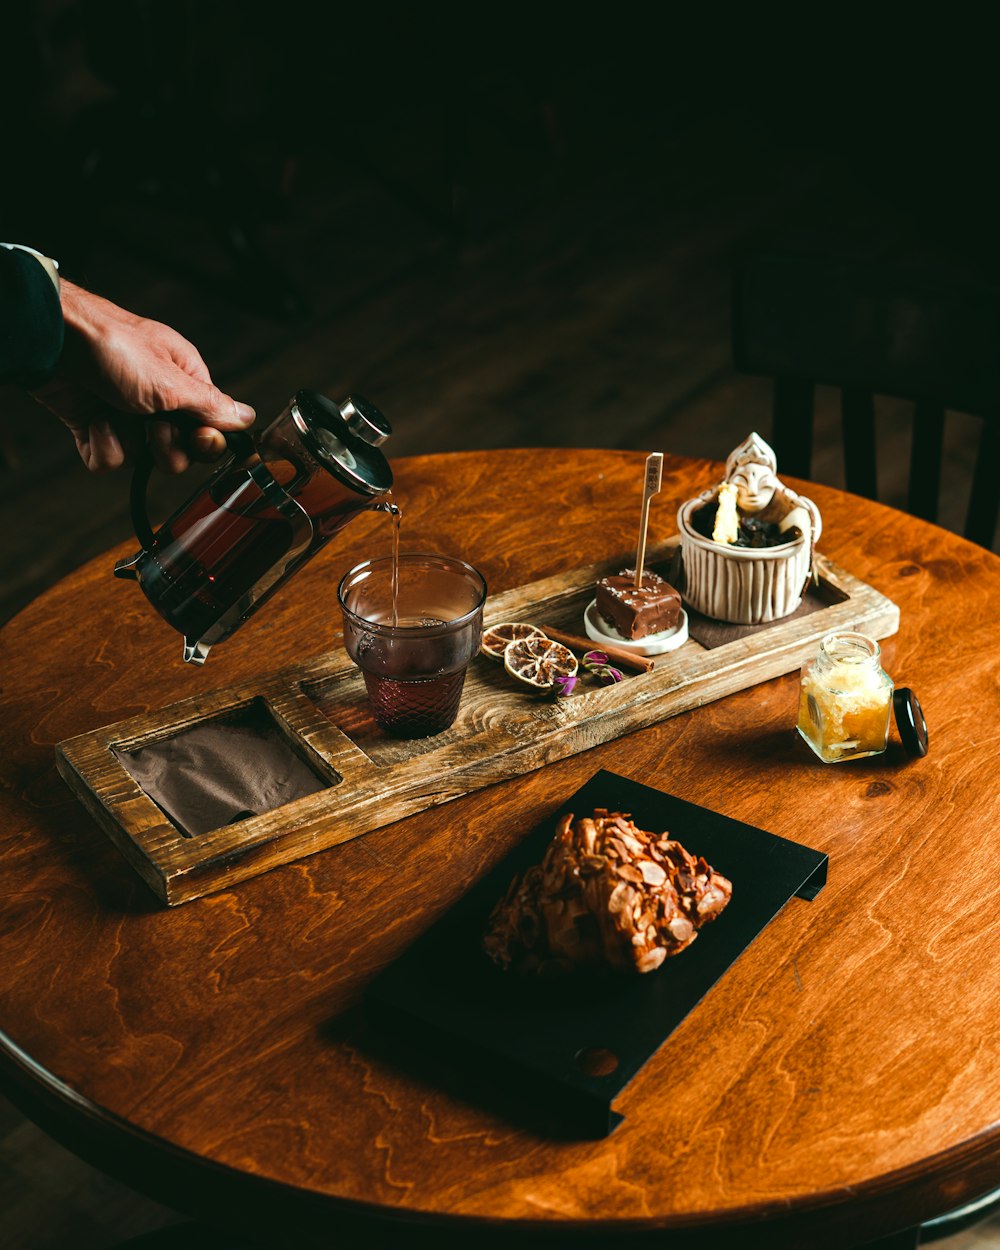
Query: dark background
x,y
505,225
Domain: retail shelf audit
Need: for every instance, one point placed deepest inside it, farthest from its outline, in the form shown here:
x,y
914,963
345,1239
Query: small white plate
x,y
653,644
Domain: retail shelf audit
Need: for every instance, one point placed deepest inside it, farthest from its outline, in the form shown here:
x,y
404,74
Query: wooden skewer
x,y
651,487
627,659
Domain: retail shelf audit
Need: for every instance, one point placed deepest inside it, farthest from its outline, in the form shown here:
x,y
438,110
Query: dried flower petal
x,y
563,686
599,663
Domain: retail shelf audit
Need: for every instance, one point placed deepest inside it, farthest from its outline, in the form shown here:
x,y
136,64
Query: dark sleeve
x,y
31,322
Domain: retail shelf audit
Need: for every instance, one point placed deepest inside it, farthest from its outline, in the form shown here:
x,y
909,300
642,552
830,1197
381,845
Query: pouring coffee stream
x,y
279,496
397,517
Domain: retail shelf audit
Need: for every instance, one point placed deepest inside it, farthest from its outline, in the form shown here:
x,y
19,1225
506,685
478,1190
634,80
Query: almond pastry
x,y
606,894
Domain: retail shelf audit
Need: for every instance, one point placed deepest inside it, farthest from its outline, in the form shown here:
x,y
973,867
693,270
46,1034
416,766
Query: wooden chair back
x,y
874,327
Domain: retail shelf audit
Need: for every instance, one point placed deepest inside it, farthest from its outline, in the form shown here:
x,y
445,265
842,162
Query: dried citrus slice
x,y
538,661
496,638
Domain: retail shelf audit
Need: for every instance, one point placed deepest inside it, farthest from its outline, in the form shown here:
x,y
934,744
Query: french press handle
x,y
238,442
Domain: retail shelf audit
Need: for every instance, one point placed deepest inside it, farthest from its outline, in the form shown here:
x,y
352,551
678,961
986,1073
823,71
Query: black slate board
x,y
533,1039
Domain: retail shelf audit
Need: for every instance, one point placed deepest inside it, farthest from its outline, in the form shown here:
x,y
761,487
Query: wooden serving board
x,y
501,731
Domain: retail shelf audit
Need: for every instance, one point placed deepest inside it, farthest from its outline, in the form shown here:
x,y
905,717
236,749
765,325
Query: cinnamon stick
x,y
627,659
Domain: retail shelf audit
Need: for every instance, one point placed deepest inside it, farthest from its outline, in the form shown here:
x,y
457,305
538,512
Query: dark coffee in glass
x,y
413,648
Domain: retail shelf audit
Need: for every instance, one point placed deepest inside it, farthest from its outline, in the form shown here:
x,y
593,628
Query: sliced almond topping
x,y
652,873
652,959
606,892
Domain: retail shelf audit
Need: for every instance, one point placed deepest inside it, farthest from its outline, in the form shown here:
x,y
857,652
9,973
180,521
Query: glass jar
x,y
845,700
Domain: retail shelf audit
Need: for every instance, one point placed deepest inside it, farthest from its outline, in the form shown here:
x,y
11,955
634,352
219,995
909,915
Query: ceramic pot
x,y
741,585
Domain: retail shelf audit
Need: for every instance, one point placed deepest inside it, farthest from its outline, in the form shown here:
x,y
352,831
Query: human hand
x,y
118,368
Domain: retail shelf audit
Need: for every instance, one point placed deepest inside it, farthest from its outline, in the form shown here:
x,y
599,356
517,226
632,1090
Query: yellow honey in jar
x,y
845,699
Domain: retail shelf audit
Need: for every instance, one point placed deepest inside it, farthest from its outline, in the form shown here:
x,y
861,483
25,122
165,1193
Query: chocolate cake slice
x,y
636,613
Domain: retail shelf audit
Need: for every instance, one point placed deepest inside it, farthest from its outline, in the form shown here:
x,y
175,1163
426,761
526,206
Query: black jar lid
x,y
910,722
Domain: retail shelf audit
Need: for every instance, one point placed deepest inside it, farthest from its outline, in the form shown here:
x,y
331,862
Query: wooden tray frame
x,y
501,732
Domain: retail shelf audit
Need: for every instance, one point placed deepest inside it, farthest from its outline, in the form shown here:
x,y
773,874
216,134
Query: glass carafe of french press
x,y
275,500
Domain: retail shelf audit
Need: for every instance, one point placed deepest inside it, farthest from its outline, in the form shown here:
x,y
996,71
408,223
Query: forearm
x,y
90,316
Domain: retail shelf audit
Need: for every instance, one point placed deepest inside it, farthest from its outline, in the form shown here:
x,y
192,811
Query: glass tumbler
x,y
412,629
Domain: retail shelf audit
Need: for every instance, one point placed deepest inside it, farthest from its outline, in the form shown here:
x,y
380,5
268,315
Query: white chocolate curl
x,y
727,521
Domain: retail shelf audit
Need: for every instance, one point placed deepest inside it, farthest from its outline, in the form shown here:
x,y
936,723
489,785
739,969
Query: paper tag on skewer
x,y
651,487
654,473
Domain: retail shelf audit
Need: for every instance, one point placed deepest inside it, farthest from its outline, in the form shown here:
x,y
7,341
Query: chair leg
x,y
857,411
792,429
981,519
925,461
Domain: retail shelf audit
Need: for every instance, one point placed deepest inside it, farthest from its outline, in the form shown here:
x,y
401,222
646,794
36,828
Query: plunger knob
x,y
364,420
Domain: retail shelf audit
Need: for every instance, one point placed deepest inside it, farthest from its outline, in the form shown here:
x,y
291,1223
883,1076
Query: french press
x,y
277,498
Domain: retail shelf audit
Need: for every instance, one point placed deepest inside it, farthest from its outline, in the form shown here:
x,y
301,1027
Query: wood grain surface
x,y
840,1082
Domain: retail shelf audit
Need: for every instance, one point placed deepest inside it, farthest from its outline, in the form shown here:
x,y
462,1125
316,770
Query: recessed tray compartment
x,y
222,770
568,1048
501,731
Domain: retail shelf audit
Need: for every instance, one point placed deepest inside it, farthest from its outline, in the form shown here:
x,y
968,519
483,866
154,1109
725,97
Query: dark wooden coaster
x,y
711,633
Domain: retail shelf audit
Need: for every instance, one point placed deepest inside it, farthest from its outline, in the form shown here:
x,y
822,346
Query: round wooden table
x,y
841,1082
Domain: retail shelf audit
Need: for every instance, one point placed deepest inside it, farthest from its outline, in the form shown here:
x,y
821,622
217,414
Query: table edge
x,y
190,1183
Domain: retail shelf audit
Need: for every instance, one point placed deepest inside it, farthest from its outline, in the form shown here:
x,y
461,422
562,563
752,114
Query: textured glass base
x,y
417,708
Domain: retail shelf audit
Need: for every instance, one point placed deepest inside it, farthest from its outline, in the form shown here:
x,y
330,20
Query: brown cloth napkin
x,y
221,771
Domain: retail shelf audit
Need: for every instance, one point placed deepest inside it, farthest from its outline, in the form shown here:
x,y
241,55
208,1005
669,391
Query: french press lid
x,y
344,439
